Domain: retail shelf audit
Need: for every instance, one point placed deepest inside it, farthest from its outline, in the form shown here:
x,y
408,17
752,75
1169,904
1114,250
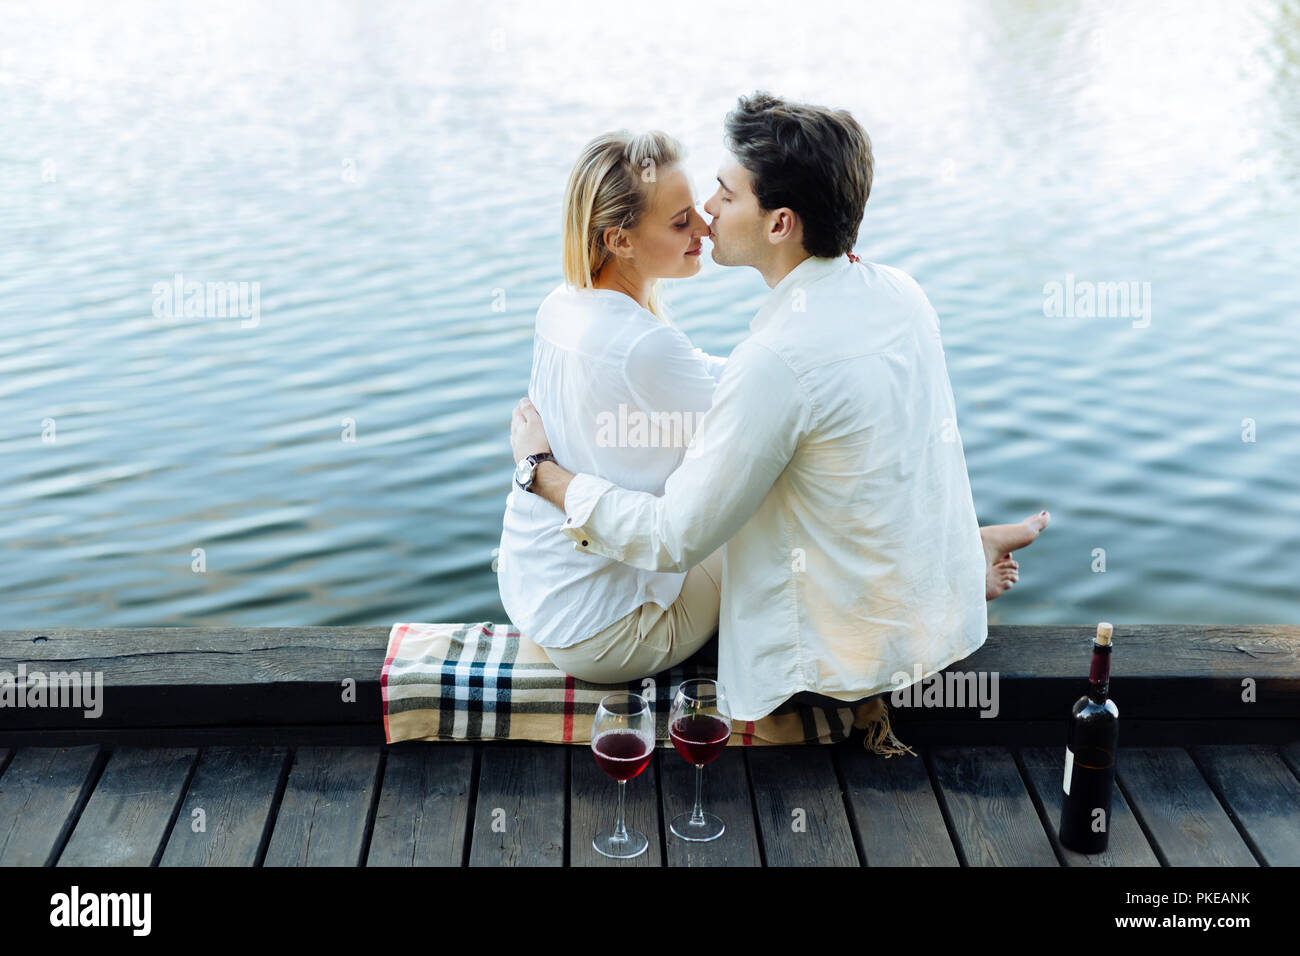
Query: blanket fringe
x,y
873,717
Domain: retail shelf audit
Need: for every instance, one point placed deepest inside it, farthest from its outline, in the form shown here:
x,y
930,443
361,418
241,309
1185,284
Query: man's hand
x,y
527,435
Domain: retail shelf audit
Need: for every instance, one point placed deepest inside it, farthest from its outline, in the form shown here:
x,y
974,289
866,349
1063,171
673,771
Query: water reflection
x,y
391,178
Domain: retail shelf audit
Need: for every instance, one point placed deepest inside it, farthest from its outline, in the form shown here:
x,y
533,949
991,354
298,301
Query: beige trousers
x,y
650,639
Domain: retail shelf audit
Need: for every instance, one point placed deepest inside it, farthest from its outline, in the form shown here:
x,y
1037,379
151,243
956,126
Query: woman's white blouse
x,y
620,393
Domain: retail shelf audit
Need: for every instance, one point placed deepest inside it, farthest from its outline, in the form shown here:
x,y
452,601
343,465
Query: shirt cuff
x,y
579,501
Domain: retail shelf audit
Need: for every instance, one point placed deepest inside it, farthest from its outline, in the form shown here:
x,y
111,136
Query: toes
x,y
1001,575
997,590
1039,521
1002,539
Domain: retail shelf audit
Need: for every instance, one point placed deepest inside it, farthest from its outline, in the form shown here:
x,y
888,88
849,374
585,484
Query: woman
x,y
619,388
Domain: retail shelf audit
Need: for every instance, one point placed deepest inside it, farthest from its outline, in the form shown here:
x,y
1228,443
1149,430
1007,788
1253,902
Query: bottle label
x,y
1069,768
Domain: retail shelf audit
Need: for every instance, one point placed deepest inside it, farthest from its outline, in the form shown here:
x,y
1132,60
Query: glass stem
x,y
697,815
620,831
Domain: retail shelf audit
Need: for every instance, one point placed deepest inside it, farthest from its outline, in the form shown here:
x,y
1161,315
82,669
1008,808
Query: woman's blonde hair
x,y
609,187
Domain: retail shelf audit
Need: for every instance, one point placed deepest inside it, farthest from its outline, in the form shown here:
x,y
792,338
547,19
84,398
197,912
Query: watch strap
x,y
534,461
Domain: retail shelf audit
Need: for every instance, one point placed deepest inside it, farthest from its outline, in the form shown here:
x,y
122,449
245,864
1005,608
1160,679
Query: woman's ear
x,y
618,242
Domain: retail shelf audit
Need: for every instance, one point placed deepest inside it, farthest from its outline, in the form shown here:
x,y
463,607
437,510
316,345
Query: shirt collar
x,y
810,270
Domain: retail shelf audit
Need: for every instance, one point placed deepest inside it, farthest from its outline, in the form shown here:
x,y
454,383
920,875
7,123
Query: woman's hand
x,y
527,436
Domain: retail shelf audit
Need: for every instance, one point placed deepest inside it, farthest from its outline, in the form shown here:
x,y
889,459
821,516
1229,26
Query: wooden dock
x,y
237,748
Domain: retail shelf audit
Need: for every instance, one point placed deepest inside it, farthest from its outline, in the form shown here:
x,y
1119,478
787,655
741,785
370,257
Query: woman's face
x,y
667,242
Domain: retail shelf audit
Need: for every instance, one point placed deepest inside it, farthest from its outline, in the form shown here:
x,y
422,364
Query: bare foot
x,y
1001,571
999,577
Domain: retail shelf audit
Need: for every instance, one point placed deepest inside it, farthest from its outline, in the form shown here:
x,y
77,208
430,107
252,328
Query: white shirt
x,y
831,467
601,366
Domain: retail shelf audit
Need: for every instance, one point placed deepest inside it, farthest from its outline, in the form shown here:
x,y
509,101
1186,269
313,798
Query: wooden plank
x,y
800,807
1049,733
230,676
225,818
1127,846
41,792
423,806
725,793
1262,795
200,676
1179,810
989,808
593,805
895,810
268,735
127,818
323,817
1291,753
519,813
321,653
1025,733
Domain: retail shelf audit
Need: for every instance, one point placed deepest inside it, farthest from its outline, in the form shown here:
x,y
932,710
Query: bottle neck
x,y
1099,672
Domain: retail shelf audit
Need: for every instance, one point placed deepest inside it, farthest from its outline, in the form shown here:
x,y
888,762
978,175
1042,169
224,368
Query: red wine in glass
x,y
622,741
622,753
700,726
700,737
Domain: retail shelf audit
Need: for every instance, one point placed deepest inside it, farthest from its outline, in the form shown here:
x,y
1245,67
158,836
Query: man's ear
x,y
782,225
618,242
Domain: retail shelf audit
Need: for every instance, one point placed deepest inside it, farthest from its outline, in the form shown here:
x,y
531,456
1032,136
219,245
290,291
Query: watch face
x,y
523,471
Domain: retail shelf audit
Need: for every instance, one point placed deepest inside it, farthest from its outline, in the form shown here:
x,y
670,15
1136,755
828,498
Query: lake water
x,y
388,180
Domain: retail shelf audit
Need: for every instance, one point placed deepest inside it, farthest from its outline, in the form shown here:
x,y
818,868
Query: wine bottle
x,y
1090,756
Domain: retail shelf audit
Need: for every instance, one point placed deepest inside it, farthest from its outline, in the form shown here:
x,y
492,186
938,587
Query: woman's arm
x,y
713,364
666,374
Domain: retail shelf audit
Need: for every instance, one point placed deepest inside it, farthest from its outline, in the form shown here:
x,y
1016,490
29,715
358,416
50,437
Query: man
x,y
829,464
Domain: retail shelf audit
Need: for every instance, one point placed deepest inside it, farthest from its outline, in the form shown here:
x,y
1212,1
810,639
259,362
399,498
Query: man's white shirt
x,y
830,466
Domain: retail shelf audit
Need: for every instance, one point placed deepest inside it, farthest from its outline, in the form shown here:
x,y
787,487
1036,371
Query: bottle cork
x,y
1104,631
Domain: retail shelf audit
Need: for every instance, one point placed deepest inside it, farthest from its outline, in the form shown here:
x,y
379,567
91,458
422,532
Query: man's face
x,y
739,227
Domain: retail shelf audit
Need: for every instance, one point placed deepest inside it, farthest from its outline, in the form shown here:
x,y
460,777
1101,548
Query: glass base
x,y
634,844
710,829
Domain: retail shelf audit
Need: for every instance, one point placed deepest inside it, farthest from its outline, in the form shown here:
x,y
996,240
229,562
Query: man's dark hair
x,y
813,160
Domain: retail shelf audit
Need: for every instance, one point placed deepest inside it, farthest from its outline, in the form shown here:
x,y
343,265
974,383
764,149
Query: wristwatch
x,y
526,470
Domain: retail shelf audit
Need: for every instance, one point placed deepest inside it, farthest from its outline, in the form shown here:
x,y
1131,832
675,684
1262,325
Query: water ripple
x,y
391,179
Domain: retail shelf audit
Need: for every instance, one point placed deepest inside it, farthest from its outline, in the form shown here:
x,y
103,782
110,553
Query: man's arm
x,y
664,373
551,481
759,416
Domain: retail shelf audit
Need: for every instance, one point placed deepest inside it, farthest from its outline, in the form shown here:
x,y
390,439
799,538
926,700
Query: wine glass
x,y
699,725
623,741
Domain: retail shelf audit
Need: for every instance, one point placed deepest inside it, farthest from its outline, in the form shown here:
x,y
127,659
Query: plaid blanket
x,y
488,682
